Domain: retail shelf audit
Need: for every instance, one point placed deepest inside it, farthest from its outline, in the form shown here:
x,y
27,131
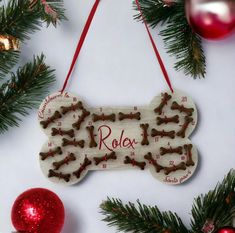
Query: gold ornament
x,y
8,42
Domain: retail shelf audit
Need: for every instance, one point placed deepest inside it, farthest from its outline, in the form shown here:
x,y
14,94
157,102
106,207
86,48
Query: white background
x,y
118,67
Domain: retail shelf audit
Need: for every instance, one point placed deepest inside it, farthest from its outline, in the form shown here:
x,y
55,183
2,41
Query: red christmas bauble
x,y
226,230
38,210
211,19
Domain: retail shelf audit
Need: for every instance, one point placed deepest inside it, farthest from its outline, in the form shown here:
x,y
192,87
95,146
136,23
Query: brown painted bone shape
x,y
187,121
188,148
107,157
50,153
145,140
133,162
59,175
171,150
130,116
51,119
163,133
103,117
153,162
82,168
180,166
81,119
66,142
164,101
55,132
71,157
71,108
182,108
167,120
92,136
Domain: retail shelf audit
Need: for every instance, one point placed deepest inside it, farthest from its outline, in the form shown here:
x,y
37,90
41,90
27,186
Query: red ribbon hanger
x,y
84,34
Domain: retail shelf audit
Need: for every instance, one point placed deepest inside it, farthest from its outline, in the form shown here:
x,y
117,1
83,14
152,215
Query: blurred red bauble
x,y
226,230
211,19
38,211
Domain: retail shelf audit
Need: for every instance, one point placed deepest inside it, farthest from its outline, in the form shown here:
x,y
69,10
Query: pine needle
x,y
217,208
19,20
140,218
180,40
24,91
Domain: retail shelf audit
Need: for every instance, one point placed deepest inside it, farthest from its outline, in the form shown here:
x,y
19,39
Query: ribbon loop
x,y
84,34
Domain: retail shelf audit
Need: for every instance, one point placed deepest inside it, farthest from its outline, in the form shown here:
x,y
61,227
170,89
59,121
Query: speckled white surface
x,y
117,67
121,137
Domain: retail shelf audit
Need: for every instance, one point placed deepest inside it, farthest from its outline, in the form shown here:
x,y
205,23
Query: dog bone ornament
x,y
83,138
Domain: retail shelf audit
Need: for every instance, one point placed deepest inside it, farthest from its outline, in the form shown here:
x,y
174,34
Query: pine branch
x,y
7,60
140,219
180,40
21,19
216,207
18,20
156,11
57,14
185,44
24,91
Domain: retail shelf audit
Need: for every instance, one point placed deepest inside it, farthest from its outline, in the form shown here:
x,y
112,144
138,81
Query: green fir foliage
x,y
140,218
23,90
20,19
215,208
7,61
180,40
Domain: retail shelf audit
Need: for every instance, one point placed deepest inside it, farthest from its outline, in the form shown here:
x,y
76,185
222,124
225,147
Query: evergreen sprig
x,y
25,88
7,60
140,218
180,40
58,7
216,208
20,20
24,91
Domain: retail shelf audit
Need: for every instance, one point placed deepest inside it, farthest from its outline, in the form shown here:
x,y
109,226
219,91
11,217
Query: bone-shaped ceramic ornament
x,y
153,137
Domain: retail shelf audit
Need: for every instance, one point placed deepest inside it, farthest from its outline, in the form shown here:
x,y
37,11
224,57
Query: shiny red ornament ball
x,y
226,230
38,210
211,19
